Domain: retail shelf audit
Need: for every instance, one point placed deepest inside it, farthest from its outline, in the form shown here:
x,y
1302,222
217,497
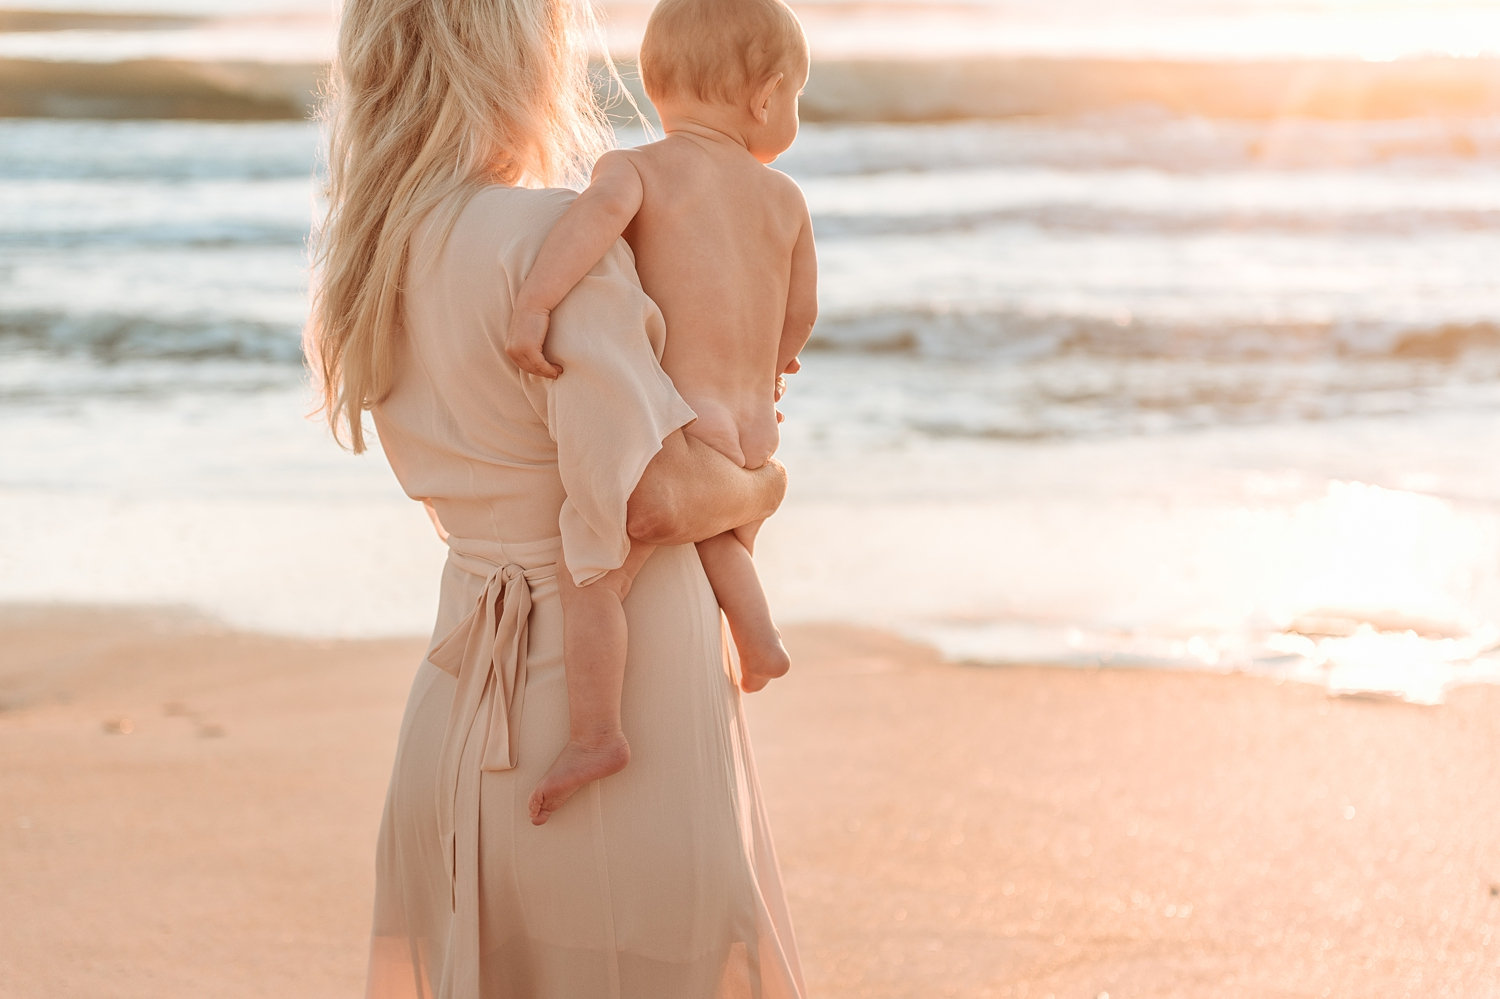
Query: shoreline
x,y
199,805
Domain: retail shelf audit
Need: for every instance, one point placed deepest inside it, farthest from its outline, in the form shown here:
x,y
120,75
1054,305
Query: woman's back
x,y
460,427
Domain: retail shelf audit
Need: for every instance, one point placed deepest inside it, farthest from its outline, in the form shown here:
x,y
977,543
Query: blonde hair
x,y
428,99
716,50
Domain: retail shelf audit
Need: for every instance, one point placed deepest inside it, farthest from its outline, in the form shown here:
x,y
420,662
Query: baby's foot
x,y
761,662
580,762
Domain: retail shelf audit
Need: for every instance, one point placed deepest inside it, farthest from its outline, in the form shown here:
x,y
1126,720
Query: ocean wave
x,y
844,90
979,88
91,20
1137,137
1006,336
203,236
1083,218
999,337
114,338
158,152
1012,380
1072,399
157,88
1060,398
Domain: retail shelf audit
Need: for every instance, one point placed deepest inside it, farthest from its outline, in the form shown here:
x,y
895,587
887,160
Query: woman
x,y
657,882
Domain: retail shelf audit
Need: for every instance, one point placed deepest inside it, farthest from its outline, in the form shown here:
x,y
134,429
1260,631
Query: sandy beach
x,y
189,811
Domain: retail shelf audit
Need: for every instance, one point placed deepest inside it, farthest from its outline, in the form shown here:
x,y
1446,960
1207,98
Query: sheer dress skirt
x,y
657,883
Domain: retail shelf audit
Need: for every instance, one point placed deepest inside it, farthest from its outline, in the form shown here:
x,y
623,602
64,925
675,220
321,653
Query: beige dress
x,y
659,882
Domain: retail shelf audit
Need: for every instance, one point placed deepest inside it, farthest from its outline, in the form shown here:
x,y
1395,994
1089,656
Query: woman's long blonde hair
x,y
428,99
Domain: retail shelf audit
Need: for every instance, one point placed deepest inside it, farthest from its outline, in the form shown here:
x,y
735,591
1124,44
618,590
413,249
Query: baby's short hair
x,y
715,50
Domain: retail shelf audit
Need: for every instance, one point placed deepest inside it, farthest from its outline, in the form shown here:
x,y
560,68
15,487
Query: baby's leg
x,y
731,573
594,644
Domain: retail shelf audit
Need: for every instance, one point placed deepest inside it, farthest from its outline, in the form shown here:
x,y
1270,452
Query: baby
x,y
723,245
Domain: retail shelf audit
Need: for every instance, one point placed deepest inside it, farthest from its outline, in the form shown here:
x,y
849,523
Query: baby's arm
x,y
576,243
801,298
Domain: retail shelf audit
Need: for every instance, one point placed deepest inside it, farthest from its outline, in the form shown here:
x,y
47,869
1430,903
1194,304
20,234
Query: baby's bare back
x,y
713,242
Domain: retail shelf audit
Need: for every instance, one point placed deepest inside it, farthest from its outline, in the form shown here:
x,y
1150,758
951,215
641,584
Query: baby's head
x,y
745,54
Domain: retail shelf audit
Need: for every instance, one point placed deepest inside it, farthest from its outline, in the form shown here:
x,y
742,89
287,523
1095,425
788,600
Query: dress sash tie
x,y
486,652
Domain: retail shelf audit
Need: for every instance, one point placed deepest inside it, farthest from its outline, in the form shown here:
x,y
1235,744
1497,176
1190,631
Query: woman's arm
x,y
690,492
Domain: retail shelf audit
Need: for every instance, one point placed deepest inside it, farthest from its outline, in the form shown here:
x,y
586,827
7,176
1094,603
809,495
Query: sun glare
x,y
1375,30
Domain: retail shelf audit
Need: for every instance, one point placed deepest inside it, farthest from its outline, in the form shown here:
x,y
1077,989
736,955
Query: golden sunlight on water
x,y
1238,30
1366,29
1380,590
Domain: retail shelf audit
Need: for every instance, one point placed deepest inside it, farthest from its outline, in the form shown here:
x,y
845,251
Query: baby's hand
x,y
523,343
792,367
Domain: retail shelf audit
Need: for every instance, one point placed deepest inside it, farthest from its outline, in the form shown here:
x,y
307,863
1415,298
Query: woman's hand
x,y
689,492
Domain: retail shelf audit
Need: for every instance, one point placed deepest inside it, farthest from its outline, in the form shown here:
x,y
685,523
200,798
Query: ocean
x,y
1161,337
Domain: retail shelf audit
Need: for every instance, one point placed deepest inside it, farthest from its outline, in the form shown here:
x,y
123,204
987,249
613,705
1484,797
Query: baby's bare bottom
x,y
746,440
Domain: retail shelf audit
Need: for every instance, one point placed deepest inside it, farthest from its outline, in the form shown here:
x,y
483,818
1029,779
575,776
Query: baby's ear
x,y
761,99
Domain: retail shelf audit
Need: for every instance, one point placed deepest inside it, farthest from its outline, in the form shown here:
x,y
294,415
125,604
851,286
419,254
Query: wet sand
x,y
187,811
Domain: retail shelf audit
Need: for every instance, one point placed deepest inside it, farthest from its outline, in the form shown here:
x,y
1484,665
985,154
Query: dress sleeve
x,y
610,409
